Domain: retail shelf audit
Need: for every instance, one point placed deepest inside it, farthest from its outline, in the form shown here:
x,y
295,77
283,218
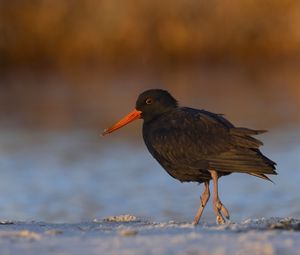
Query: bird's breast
x,y
173,157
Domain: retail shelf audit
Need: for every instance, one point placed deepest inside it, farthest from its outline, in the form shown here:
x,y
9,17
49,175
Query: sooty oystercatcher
x,y
196,145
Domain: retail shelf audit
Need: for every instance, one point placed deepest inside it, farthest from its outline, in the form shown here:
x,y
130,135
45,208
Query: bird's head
x,y
150,104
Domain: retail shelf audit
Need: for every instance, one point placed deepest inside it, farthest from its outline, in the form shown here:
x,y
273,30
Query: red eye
x,y
149,100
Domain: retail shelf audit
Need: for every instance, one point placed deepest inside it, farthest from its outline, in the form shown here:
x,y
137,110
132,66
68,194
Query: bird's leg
x,y
203,201
219,208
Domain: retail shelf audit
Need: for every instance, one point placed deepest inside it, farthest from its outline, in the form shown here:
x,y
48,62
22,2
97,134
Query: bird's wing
x,y
196,138
189,135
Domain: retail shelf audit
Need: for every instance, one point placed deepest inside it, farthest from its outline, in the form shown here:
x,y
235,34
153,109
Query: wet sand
x,y
127,234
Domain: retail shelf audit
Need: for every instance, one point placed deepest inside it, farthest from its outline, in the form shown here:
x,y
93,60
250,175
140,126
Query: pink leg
x,y
203,201
219,208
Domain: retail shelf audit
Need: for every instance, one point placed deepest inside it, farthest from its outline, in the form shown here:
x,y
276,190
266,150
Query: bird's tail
x,y
262,176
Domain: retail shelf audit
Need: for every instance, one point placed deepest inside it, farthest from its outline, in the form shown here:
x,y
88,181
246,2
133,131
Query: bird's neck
x,y
153,117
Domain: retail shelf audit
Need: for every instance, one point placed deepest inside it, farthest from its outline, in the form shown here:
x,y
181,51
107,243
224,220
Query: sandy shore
x,y
127,234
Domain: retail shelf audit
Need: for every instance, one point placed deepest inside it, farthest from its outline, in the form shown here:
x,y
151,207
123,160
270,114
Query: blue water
x,y
75,176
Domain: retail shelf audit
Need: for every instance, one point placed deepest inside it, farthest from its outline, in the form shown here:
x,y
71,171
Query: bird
x,y
195,145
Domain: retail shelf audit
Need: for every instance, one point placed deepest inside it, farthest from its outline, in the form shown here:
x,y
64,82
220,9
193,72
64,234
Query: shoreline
x,y
127,234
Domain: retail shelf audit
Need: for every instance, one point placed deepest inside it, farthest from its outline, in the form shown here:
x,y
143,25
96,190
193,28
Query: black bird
x,y
196,145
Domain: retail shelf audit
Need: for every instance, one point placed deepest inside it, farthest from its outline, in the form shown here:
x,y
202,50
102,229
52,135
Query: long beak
x,y
134,115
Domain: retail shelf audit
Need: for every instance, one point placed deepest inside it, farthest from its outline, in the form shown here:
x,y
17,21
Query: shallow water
x,y
74,176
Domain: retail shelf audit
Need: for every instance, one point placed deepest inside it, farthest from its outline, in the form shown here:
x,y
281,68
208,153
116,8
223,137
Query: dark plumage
x,y
197,145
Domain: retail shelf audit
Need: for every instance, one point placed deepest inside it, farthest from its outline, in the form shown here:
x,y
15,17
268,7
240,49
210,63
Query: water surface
x,y
74,176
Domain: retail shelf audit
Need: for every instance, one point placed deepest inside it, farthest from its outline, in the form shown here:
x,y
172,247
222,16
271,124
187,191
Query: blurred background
x,y
69,69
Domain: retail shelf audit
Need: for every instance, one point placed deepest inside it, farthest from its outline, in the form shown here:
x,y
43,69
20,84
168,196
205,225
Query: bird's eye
x,y
149,100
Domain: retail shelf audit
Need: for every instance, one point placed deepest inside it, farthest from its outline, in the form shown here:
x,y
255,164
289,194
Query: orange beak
x,y
134,115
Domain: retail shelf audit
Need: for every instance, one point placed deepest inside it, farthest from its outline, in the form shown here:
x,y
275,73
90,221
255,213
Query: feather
x,y
187,142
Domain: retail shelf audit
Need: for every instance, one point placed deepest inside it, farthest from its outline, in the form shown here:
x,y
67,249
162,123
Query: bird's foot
x,y
221,212
200,210
203,201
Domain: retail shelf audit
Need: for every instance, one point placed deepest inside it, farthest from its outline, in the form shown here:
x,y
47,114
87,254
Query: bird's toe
x,y
225,212
220,220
